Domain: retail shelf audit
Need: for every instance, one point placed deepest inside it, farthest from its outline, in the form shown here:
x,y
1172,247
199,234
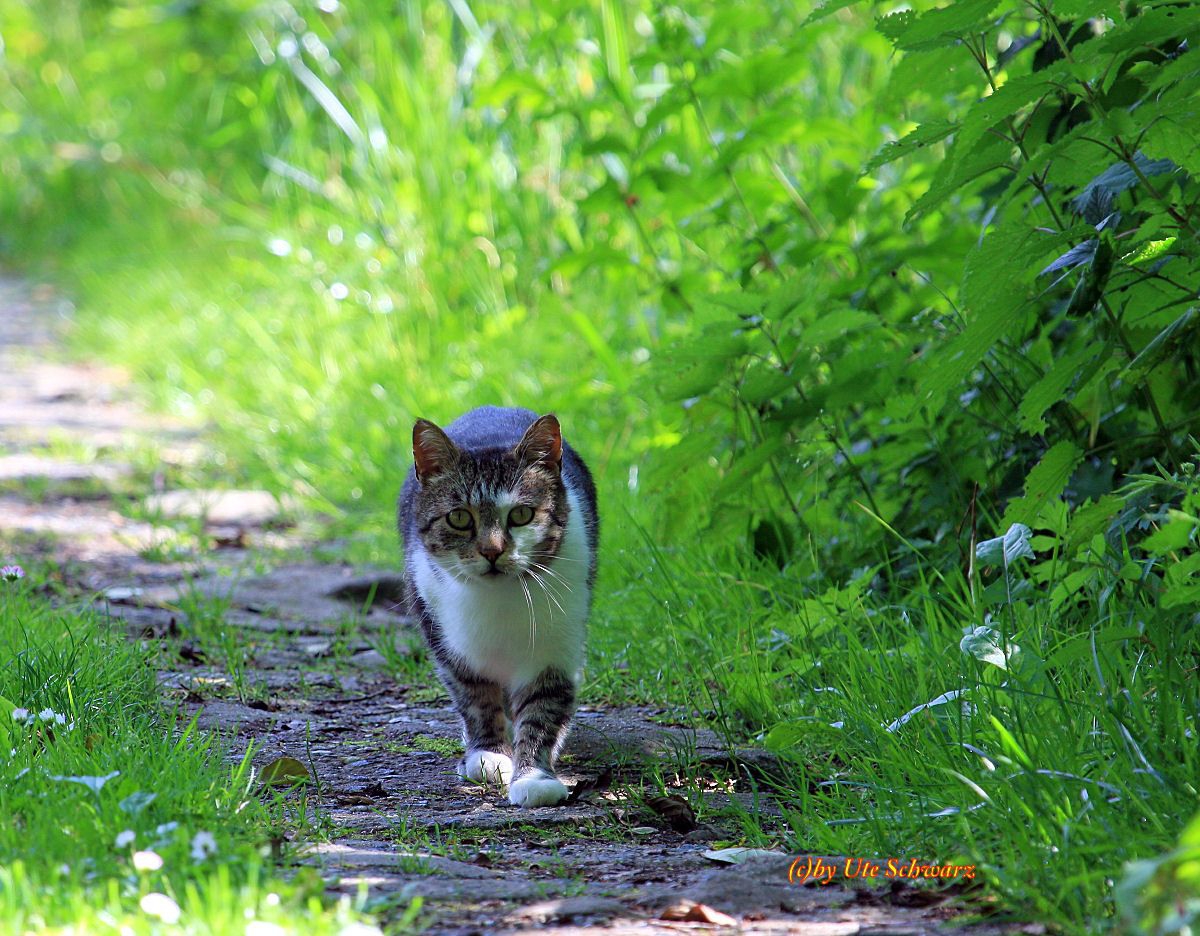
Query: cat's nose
x,y
491,549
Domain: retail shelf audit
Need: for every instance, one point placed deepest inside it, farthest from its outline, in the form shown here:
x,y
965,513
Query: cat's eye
x,y
460,519
520,515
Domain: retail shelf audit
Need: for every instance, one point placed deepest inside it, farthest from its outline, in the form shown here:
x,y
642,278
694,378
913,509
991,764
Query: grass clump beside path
x,y
824,328
115,816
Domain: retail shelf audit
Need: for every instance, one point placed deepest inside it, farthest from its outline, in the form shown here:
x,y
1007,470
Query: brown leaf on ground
x,y
689,912
676,810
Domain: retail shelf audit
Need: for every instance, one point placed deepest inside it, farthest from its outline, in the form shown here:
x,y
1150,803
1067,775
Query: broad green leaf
x,y
1173,535
1003,551
1091,520
943,26
988,646
828,8
1053,387
962,165
993,298
284,771
1153,354
1151,250
746,466
1121,176
1007,100
925,135
1047,480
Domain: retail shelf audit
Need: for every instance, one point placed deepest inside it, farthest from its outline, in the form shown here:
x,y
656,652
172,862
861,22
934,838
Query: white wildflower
x,y
147,860
203,845
125,838
60,719
20,715
272,899
47,714
161,906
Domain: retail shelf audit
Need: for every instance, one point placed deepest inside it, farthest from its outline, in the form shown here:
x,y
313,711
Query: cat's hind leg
x,y
542,711
480,705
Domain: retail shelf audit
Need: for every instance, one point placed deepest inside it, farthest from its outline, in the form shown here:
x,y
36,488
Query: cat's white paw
x,y
486,767
537,789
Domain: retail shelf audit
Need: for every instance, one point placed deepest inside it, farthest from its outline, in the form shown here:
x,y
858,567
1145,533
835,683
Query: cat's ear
x,y
433,452
542,443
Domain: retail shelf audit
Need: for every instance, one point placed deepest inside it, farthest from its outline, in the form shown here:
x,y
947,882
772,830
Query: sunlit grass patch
x,y
112,811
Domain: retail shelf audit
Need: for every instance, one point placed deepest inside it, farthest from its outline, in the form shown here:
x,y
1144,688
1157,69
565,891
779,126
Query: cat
x,y
500,528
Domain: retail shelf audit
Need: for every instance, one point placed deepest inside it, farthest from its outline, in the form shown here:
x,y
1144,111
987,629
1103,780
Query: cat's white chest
x,y
511,628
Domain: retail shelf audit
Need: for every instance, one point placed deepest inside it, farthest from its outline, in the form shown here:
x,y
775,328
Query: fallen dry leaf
x,y
690,912
676,810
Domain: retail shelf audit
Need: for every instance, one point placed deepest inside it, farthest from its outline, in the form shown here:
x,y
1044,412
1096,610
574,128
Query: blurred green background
x,y
828,298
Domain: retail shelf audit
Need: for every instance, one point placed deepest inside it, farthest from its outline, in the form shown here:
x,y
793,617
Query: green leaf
x,y
962,166
987,646
925,135
1003,551
1158,347
1053,387
746,466
1047,480
700,363
993,296
1090,520
284,771
1173,535
828,8
1008,99
943,26
1121,176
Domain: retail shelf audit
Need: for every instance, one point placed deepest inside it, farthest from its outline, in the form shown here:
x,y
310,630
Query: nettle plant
x,y
1005,329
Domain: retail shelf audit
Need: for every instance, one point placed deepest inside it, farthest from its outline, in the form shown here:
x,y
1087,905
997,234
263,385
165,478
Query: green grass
x,y
111,797
254,263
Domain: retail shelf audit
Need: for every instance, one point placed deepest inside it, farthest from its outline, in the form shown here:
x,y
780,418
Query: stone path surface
x,y
309,661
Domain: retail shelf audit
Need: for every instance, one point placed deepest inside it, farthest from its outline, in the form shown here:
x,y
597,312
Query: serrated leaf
x,y
1008,99
1173,535
1120,176
939,27
925,135
1090,520
1158,347
1151,250
992,310
827,9
1047,480
1053,386
962,166
746,467
284,771
1148,28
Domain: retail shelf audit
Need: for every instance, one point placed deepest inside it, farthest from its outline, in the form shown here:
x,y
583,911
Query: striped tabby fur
x,y
499,523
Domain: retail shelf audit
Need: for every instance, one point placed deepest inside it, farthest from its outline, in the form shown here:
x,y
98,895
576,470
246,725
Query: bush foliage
x,y
880,325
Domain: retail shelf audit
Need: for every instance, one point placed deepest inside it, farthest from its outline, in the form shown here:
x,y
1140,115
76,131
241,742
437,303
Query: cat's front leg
x,y
480,705
541,712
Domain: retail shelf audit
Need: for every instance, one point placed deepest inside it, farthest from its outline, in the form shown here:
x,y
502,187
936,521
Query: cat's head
x,y
490,514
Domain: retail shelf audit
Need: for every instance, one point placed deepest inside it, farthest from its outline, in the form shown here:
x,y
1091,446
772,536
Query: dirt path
x,y
279,652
